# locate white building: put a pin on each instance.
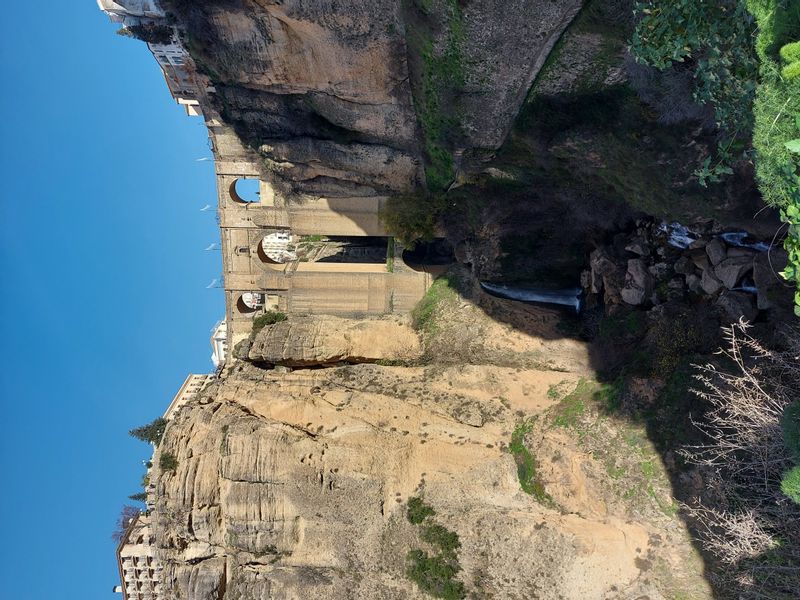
(120, 10)
(139, 569)
(219, 343)
(183, 80)
(192, 385)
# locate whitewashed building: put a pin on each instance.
(139, 568)
(219, 344)
(185, 83)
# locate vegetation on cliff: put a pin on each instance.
(776, 137)
(434, 570)
(441, 78)
(714, 40)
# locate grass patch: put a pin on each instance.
(442, 290)
(529, 479)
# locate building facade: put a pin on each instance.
(191, 387)
(319, 255)
(185, 83)
(139, 569)
(219, 344)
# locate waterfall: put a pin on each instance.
(569, 297)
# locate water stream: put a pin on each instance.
(569, 297)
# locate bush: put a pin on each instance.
(418, 511)
(140, 497)
(150, 433)
(716, 39)
(168, 461)
(791, 71)
(268, 318)
(790, 424)
(446, 540)
(790, 484)
(790, 52)
(744, 521)
(435, 575)
(412, 217)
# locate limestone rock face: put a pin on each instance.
(321, 340)
(324, 88)
(295, 485)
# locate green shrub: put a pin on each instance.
(268, 318)
(167, 461)
(790, 52)
(790, 423)
(717, 37)
(150, 433)
(776, 111)
(440, 536)
(435, 574)
(412, 217)
(418, 511)
(790, 484)
(791, 71)
(140, 497)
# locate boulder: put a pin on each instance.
(601, 265)
(638, 283)
(731, 270)
(659, 270)
(638, 245)
(709, 283)
(736, 251)
(716, 251)
(699, 258)
(735, 305)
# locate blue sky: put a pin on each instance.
(103, 285)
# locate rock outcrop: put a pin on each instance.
(324, 340)
(295, 485)
(327, 93)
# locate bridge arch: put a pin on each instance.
(245, 190)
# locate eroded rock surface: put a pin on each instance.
(324, 340)
(295, 485)
(324, 89)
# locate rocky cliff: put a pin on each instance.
(343, 98)
(297, 485)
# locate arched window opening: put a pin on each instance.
(277, 248)
(250, 302)
(246, 191)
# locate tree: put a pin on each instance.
(150, 433)
(150, 33)
(139, 497)
(126, 515)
